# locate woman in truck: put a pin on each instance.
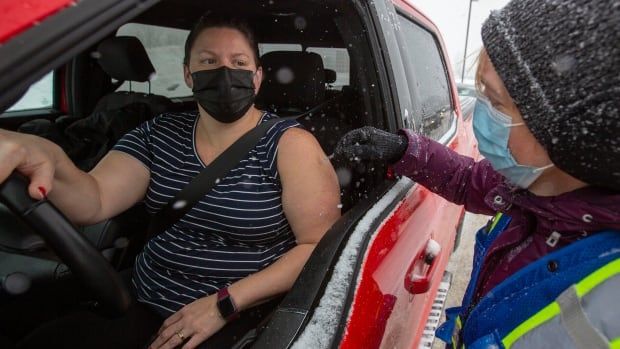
(242, 244)
(547, 121)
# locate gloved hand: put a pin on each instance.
(369, 143)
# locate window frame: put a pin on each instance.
(51, 112)
(58, 38)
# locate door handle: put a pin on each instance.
(422, 269)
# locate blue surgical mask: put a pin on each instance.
(492, 130)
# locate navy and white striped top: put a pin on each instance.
(237, 229)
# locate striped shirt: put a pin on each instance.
(236, 229)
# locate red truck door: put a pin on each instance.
(397, 286)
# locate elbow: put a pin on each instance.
(86, 219)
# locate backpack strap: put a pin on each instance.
(450, 330)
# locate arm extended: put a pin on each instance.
(455, 177)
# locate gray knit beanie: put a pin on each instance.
(560, 61)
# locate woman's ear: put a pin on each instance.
(258, 79)
(187, 75)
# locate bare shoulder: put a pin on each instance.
(310, 191)
(300, 157)
(296, 140)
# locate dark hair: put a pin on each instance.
(213, 21)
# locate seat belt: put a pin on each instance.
(198, 187)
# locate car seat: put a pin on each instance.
(124, 58)
(86, 140)
(294, 84)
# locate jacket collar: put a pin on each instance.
(587, 209)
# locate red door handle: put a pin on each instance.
(422, 269)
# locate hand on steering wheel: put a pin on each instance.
(85, 262)
(32, 156)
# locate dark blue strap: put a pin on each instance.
(489, 341)
(484, 237)
(447, 330)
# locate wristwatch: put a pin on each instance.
(226, 305)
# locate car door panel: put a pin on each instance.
(385, 314)
(296, 310)
(383, 310)
(429, 217)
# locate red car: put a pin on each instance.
(372, 279)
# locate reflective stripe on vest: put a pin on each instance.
(457, 332)
(589, 315)
(615, 344)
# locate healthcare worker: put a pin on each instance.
(547, 121)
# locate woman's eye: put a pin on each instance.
(209, 61)
(241, 63)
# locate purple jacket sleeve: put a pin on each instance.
(455, 177)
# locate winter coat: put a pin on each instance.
(535, 219)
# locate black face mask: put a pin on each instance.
(226, 94)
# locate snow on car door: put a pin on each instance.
(399, 280)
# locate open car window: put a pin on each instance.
(39, 96)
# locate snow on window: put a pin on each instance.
(324, 322)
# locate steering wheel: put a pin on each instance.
(85, 262)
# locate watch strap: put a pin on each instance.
(226, 305)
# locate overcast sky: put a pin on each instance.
(451, 18)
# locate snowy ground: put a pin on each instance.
(460, 264)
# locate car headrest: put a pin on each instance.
(330, 76)
(292, 80)
(125, 59)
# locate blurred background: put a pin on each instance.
(451, 16)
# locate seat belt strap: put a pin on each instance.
(198, 187)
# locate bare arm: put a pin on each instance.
(118, 181)
(310, 199)
(455, 177)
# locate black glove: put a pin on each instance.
(369, 143)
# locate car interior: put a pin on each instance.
(317, 66)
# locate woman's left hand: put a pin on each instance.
(190, 326)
